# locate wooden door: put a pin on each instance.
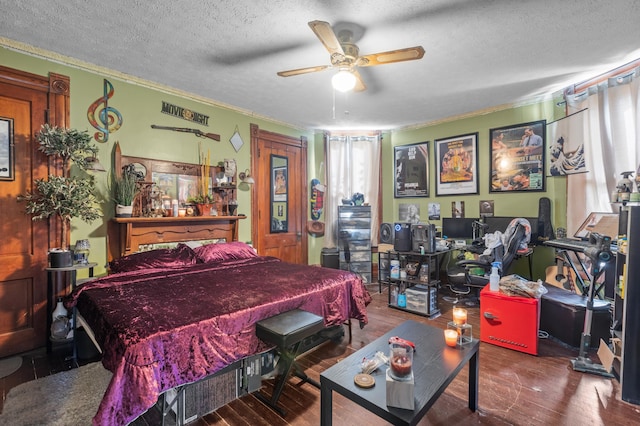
(279, 213)
(24, 99)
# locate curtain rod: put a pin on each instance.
(579, 87)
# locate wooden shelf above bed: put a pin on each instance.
(125, 235)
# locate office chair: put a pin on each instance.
(462, 281)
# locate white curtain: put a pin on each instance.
(613, 127)
(353, 165)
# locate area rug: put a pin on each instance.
(9, 366)
(68, 398)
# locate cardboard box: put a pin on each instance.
(607, 356)
(400, 394)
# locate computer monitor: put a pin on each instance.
(500, 223)
(458, 228)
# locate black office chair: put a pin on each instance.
(463, 283)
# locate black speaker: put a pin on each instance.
(386, 233)
(402, 237)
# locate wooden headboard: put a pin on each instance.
(126, 235)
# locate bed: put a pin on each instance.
(174, 316)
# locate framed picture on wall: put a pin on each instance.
(411, 178)
(517, 157)
(7, 160)
(457, 165)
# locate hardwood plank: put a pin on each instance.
(515, 388)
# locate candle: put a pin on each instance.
(459, 316)
(182, 212)
(451, 337)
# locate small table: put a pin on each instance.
(70, 286)
(435, 366)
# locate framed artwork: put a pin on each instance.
(411, 178)
(486, 208)
(279, 194)
(7, 151)
(457, 209)
(517, 157)
(409, 213)
(279, 184)
(457, 165)
(434, 211)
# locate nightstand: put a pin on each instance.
(61, 282)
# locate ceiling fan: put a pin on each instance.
(345, 56)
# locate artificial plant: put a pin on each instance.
(64, 196)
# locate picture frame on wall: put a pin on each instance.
(411, 178)
(7, 151)
(518, 157)
(457, 165)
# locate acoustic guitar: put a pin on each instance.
(560, 275)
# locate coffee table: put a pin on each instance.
(435, 366)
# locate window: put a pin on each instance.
(612, 147)
(353, 166)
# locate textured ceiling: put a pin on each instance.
(479, 54)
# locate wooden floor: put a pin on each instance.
(514, 388)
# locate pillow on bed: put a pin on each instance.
(176, 257)
(224, 251)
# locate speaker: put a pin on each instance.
(386, 233)
(402, 237)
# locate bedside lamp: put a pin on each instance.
(246, 177)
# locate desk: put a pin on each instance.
(54, 275)
(433, 260)
(435, 366)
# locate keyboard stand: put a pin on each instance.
(568, 259)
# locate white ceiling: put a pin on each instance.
(479, 53)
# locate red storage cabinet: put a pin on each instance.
(509, 321)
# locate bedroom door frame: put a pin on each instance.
(290, 245)
(30, 100)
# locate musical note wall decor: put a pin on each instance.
(102, 116)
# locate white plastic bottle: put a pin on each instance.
(494, 278)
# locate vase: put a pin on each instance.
(204, 209)
(59, 258)
(123, 211)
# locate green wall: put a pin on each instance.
(140, 107)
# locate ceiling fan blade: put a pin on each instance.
(360, 86)
(400, 55)
(326, 35)
(306, 70)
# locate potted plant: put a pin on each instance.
(64, 196)
(204, 199)
(125, 188)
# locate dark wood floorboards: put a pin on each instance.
(514, 388)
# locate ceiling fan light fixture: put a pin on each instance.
(344, 80)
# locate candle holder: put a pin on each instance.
(460, 316)
(464, 332)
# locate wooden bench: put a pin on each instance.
(287, 331)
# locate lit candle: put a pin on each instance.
(182, 212)
(459, 316)
(451, 337)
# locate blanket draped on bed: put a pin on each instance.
(162, 328)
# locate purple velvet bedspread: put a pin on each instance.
(162, 328)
